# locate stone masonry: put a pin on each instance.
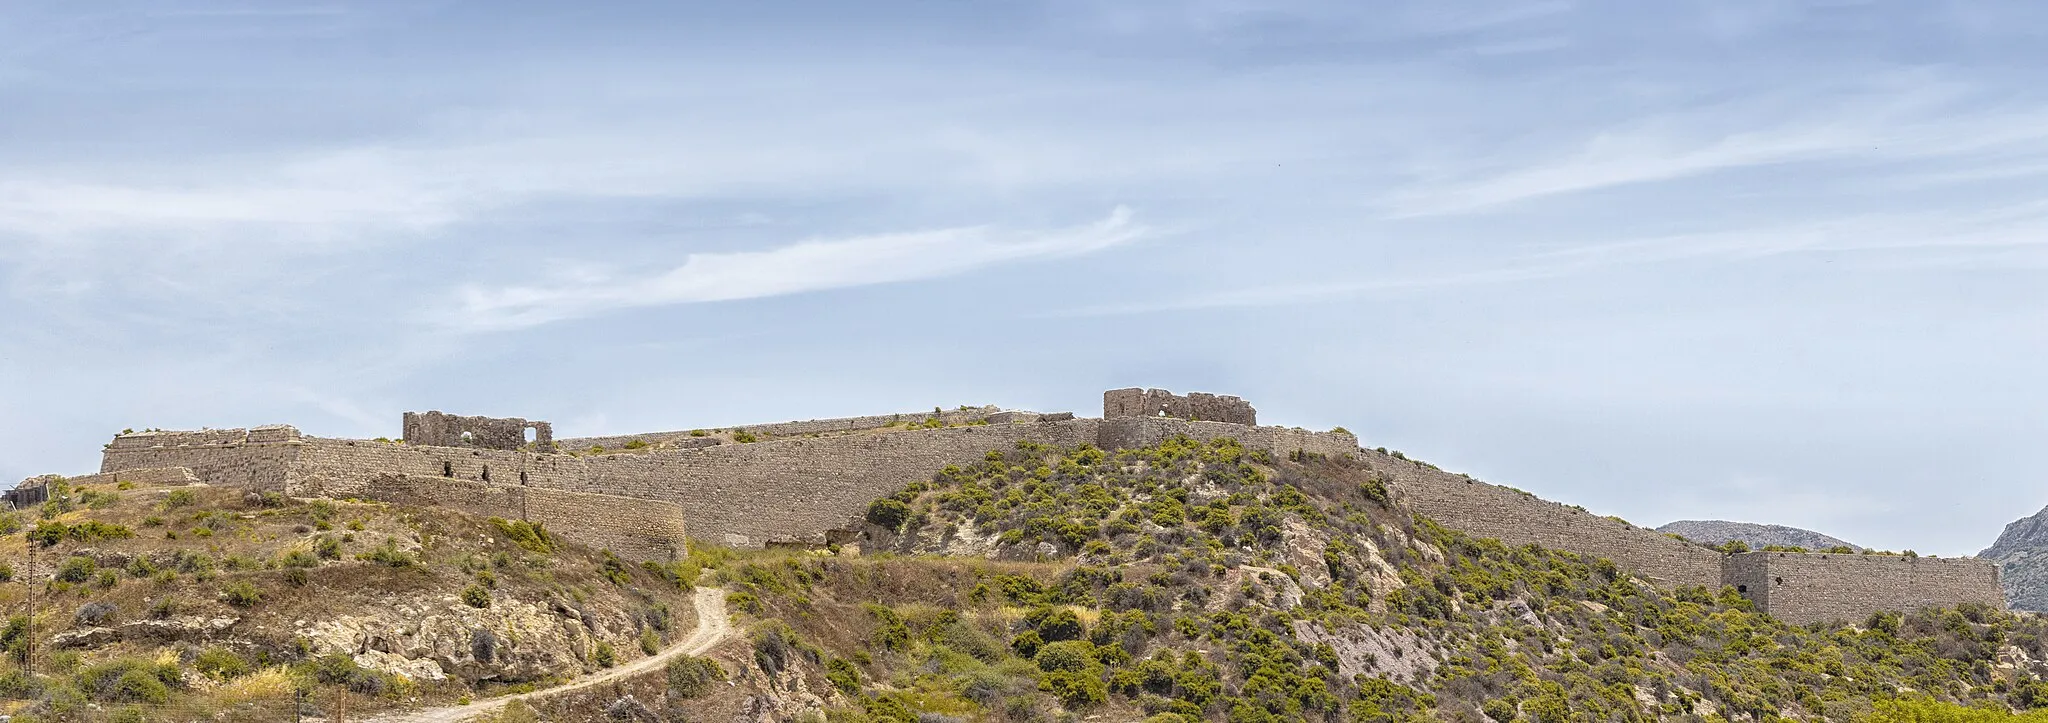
(801, 488)
(635, 529)
(449, 430)
(1795, 587)
(1196, 406)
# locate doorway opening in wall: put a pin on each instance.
(522, 478)
(447, 469)
(487, 473)
(532, 435)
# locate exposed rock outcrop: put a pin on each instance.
(2021, 552)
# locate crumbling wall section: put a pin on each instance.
(142, 477)
(449, 430)
(1196, 406)
(258, 458)
(1134, 432)
(341, 467)
(634, 529)
(965, 415)
(1801, 588)
(1518, 518)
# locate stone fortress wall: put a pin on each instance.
(806, 479)
(635, 529)
(1794, 587)
(1802, 588)
(1519, 518)
(962, 415)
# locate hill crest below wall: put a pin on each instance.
(1757, 536)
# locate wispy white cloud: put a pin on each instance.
(2011, 237)
(1904, 118)
(812, 265)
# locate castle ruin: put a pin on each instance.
(807, 482)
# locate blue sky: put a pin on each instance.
(1766, 261)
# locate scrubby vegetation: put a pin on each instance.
(1195, 581)
(204, 603)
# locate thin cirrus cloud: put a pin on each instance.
(1904, 119)
(807, 266)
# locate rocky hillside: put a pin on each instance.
(161, 603)
(1756, 536)
(1205, 582)
(2022, 555)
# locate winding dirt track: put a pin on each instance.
(712, 627)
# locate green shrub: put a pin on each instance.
(889, 513)
(220, 663)
(180, 498)
(389, 555)
(476, 596)
(690, 676)
(614, 569)
(241, 594)
(844, 675)
(1072, 656)
(530, 536)
(604, 656)
(129, 680)
(77, 569)
(744, 437)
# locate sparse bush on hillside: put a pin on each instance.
(690, 676)
(530, 536)
(389, 555)
(476, 596)
(76, 569)
(240, 594)
(180, 498)
(889, 513)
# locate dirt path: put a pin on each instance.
(712, 627)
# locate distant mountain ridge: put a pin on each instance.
(1715, 532)
(2021, 552)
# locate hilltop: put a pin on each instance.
(1756, 536)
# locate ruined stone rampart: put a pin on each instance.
(340, 467)
(635, 529)
(1196, 406)
(258, 458)
(450, 430)
(1133, 432)
(792, 429)
(145, 477)
(1802, 588)
(1795, 587)
(1519, 518)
